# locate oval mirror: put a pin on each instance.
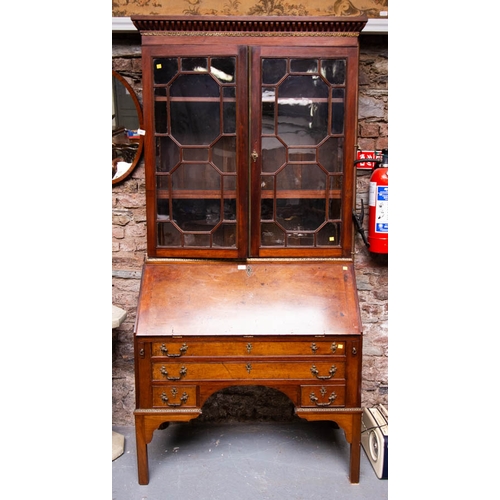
(127, 129)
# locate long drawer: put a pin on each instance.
(249, 370)
(246, 347)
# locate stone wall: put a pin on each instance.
(129, 251)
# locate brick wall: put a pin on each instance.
(129, 251)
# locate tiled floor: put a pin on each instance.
(245, 461)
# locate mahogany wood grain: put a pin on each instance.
(248, 313)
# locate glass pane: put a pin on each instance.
(304, 66)
(164, 69)
(301, 177)
(197, 240)
(334, 71)
(162, 182)
(335, 208)
(331, 154)
(267, 209)
(272, 235)
(329, 235)
(299, 238)
(229, 185)
(167, 154)
(273, 70)
(224, 154)
(302, 154)
(224, 69)
(195, 86)
(268, 111)
(300, 213)
(338, 111)
(161, 117)
(301, 121)
(303, 86)
(230, 209)
(225, 236)
(195, 122)
(168, 235)
(195, 214)
(229, 119)
(163, 211)
(194, 64)
(195, 154)
(273, 154)
(335, 182)
(196, 176)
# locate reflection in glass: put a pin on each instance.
(273, 70)
(331, 154)
(329, 234)
(338, 111)
(334, 71)
(301, 177)
(164, 69)
(229, 119)
(196, 85)
(195, 127)
(224, 69)
(194, 64)
(167, 154)
(195, 176)
(224, 154)
(272, 235)
(195, 122)
(168, 234)
(304, 66)
(297, 214)
(302, 151)
(273, 154)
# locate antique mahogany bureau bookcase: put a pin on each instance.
(250, 138)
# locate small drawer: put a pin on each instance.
(322, 396)
(174, 396)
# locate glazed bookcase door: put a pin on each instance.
(197, 180)
(303, 107)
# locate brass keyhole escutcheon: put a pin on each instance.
(248, 367)
(249, 348)
(254, 156)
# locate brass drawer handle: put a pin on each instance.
(333, 347)
(315, 372)
(182, 351)
(174, 391)
(315, 400)
(182, 373)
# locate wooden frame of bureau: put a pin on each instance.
(249, 312)
(292, 326)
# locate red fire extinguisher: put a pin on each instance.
(378, 201)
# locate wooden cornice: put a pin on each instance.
(249, 25)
